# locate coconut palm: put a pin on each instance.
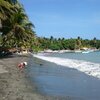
(5, 9)
(20, 29)
(15, 26)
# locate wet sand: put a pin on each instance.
(56, 80)
(15, 84)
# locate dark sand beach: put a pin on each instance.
(15, 84)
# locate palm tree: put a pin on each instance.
(78, 43)
(6, 10)
(16, 28)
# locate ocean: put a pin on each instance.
(75, 75)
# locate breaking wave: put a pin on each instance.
(89, 68)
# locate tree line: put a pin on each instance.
(16, 31)
(66, 44)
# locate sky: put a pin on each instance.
(64, 18)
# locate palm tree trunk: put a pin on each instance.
(0, 24)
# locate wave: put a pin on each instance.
(89, 68)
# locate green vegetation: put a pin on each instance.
(15, 28)
(67, 44)
(16, 31)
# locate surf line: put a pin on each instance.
(89, 68)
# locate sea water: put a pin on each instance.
(75, 75)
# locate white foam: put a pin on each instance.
(89, 68)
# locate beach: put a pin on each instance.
(13, 82)
(43, 80)
(57, 75)
(76, 64)
(16, 85)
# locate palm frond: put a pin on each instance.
(6, 9)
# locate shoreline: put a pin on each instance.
(69, 51)
(54, 79)
(88, 68)
(14, 84)
(17, 85)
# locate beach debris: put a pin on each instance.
(41, 64)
